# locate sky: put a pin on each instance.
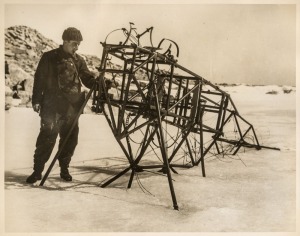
(238, 43)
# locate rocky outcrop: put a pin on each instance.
(24, 47)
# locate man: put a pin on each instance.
(57, 97)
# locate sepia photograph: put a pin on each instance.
(149, 117)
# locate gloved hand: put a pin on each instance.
(91, 83)
(36, 107)
(108, 83)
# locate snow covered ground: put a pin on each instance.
(254, 192)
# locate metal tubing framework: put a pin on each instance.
(175, 111)
(162, 115)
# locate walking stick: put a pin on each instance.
(67, 137)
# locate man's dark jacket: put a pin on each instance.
(46, 91)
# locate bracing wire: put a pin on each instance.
(141, 185)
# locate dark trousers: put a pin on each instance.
(51, 127)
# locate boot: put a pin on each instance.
(65, 175)
(34, 177)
